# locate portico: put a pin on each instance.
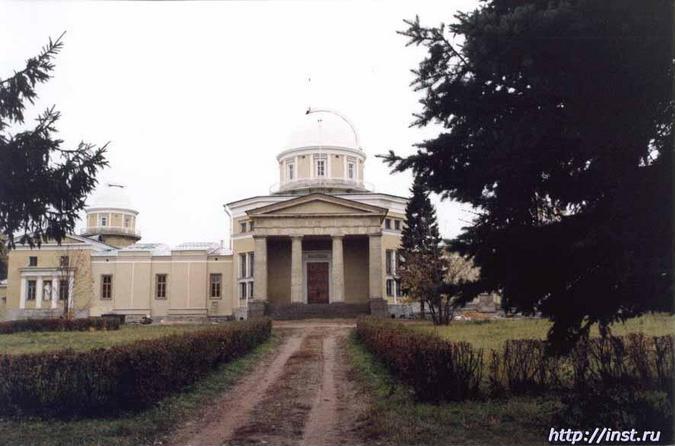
(307, 236)
(44, 287)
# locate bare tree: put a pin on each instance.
(74, 265)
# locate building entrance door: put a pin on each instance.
(317, 282)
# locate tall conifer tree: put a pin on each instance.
(558, 118)
(43, 186)
(422, 267)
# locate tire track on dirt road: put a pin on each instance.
(235, 407)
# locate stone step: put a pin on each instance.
(320, 311)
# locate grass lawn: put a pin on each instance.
(32, 342)
(491, 334)
(150, 427)
(395, 418)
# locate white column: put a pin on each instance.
(375, 266)
(70, 292)
(56, 283)
(24, 293)
(296, 269)
(338, 273)
(38, 293)
(260, 269)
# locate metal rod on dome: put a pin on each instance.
(344, 118)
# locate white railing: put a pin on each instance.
(110, 230)
(309, 183)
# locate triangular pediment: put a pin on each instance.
(319, 205)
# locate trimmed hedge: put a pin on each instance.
(436, 369)
(108, 382)
(84, 324)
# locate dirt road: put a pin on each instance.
(299, 394)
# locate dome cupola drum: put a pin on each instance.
(322, 154)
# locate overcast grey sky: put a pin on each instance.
(197, 98)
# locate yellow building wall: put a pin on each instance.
(337, 169)
(221, 265)
(304, 166)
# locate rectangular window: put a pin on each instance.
(250, 264)
(391, 287)
(106, 286)
(160, 286)
(389, 255)
(242, 290)
(64, 261)
(32, 261)
(243, 226)
(387, 223)
(291, 171)
(32, 289)
(250, 226)
(397, 225)
(215, 281)
(350, 171)
(104, 220)
(127, 221)
(63, 289)
(320, 168)
(242, 266)
(250, 290)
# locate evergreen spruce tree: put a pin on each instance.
(43, 186)
(557, 123)
(422, 265)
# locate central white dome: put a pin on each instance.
(323, 128)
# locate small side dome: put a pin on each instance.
(111, 216)
(323, 128)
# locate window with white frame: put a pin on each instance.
(320, 165)
(351, 168)
(104, 220)
(246, 262)
(32, 290)
(391, 288)
(390, 258)
(290, 170)
(391, 266)
(160, 286)
(63, 289)
(215, 285)
(106, 286)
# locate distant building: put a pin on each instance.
(321, 242)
